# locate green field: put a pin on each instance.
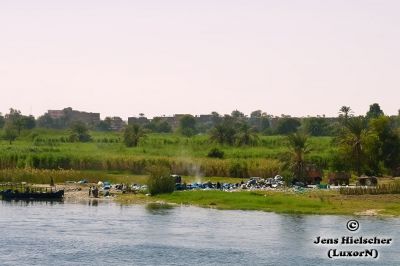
(49, 149)
(164, 145)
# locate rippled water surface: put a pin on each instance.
(110, 234)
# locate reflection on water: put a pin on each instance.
(93, 202)
(25, 203)
(158, 208)
(104, 233)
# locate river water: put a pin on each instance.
(43, 233)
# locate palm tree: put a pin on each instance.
(353, 138)
(246, 135)
(298, 147)
(223, 133)
(217, 134)
(345, 112)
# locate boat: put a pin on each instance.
(22, 192)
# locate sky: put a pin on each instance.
(157, 57)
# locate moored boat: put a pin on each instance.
(27, 193)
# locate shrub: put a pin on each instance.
(238, 169)
(215, 153)
(160, 180)
(79, 132)
(132, 135)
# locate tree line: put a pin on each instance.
(188, 125)
(367, 144)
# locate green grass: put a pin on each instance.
(47, 149)
(165, 145)
(276, 202)
(315, 202)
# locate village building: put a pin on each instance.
(142, 120)
(116, 123)
(73, 115)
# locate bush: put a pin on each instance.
(79, 132)
(239, 169)
(160, 180)
(215, 153)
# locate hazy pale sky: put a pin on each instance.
(124, 57)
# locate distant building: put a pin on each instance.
(138, 120)
(56, 114)
(203, 119)
(116, 123)
(169, 119)
(71, 115)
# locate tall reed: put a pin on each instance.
(393, 188)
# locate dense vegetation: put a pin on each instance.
(232, 146)
(50, 149)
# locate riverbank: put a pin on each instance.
(311, 202)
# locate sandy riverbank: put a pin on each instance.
(80, 193)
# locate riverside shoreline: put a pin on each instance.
(313, 201)
(310, 202)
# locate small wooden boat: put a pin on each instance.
(21, 192)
